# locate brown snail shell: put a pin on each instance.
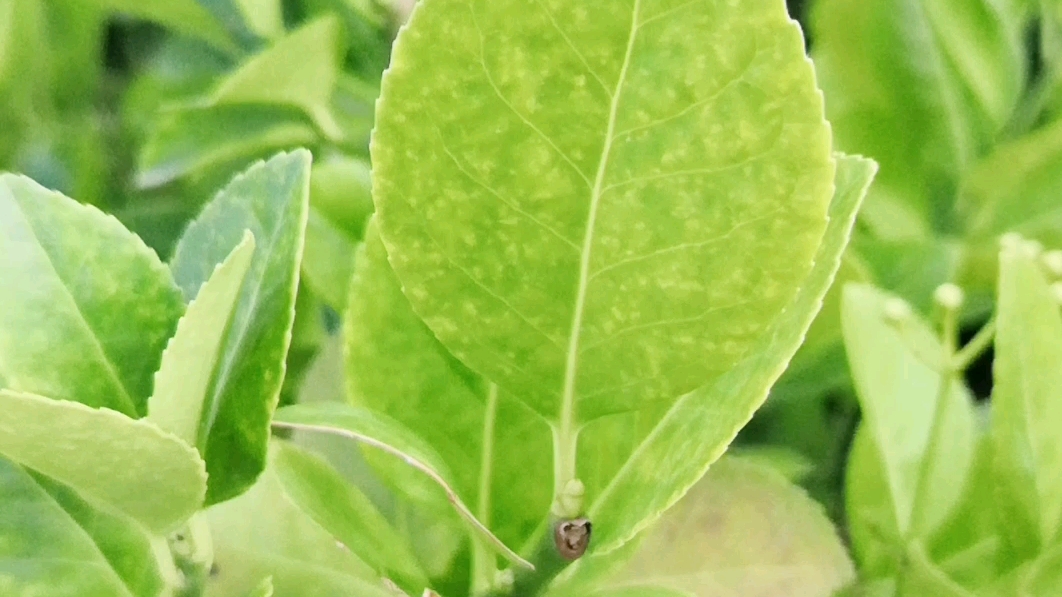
(572, 537)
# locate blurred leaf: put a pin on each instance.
(741, 530)
(264, 588)
(1016, 188)
(182, 403)
(899, 394)
(1026, 410)
(396, 366)
(299, 70)
(185, 16)
(697, 429)
(89, 450)
(923, 88)
(347, 515)
(608, 310)
(190, 139)
(73, 561)
(922, 578)
(85, 307)
(264, 17)
(263, 533)
(784, 461)
(270, 200)
(383, 433)
(911, 268)
(328, 260)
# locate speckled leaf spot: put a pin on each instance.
(596, 205)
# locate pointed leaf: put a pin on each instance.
(742, 530)
(347, 514)
(105, 456)
(85, 307)
(263, 533)
(698, 428)
(923, 577)
(898, 394)
(188, 17)
(607, 190)
(68, 563)
(1026, 410)
(383, 433)
(270, 200)
(182, 385)
(397, 367)
(299, 70)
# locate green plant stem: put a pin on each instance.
(484, 562)
(949, 341)
(975, 347)
(565, 445)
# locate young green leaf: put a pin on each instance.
(742, 530)
(700, 425)
(69, 562)
(193, 139)
(396, 366)
(264, 533)
(383, 433)
(1026, 410)
(181, 401)
(922, 87)
(341, 509)
(1013, 189)
(581, 200)
(108, 458)
(299, 70)
(270, 200)
(923, 577)
(899, 396)
(185, 16)
(85, 307)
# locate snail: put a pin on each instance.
(572, 537)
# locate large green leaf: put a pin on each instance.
(298, 70)
(898, 394)
(383, 433)
(182, 399)
(264, 533)
(348, 515)
(85, 307)
(396, 366)
(581, 200)
(269, 199)
(1016, 187)
(920, 86)
(742, 530)
(71, 561)
(1026, 410)
(700, 425)
(107, 457)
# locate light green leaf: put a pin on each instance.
(264, 17)
(183, 16)
(85, 307)
(581, 200)
(1026, 410)
(264, 588)
(921, 577)
(381, 432)
(190, 140)
(921, 87)
(298, 70)
(698, 428)
(347, 514)
(182, 398)
(270, 200)
(108, 458)
(68, 564)
(140, 560)
(742, 530)
(898, 394)
(328, 260)
(263, 533)
(396, 366)
(1015, 187)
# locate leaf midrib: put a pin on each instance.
(567, 407)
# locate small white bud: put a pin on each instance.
(1052, 260)
(948, 296)
(1010, 240)
(503, 580)
(1032, 248)
(897, 310)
